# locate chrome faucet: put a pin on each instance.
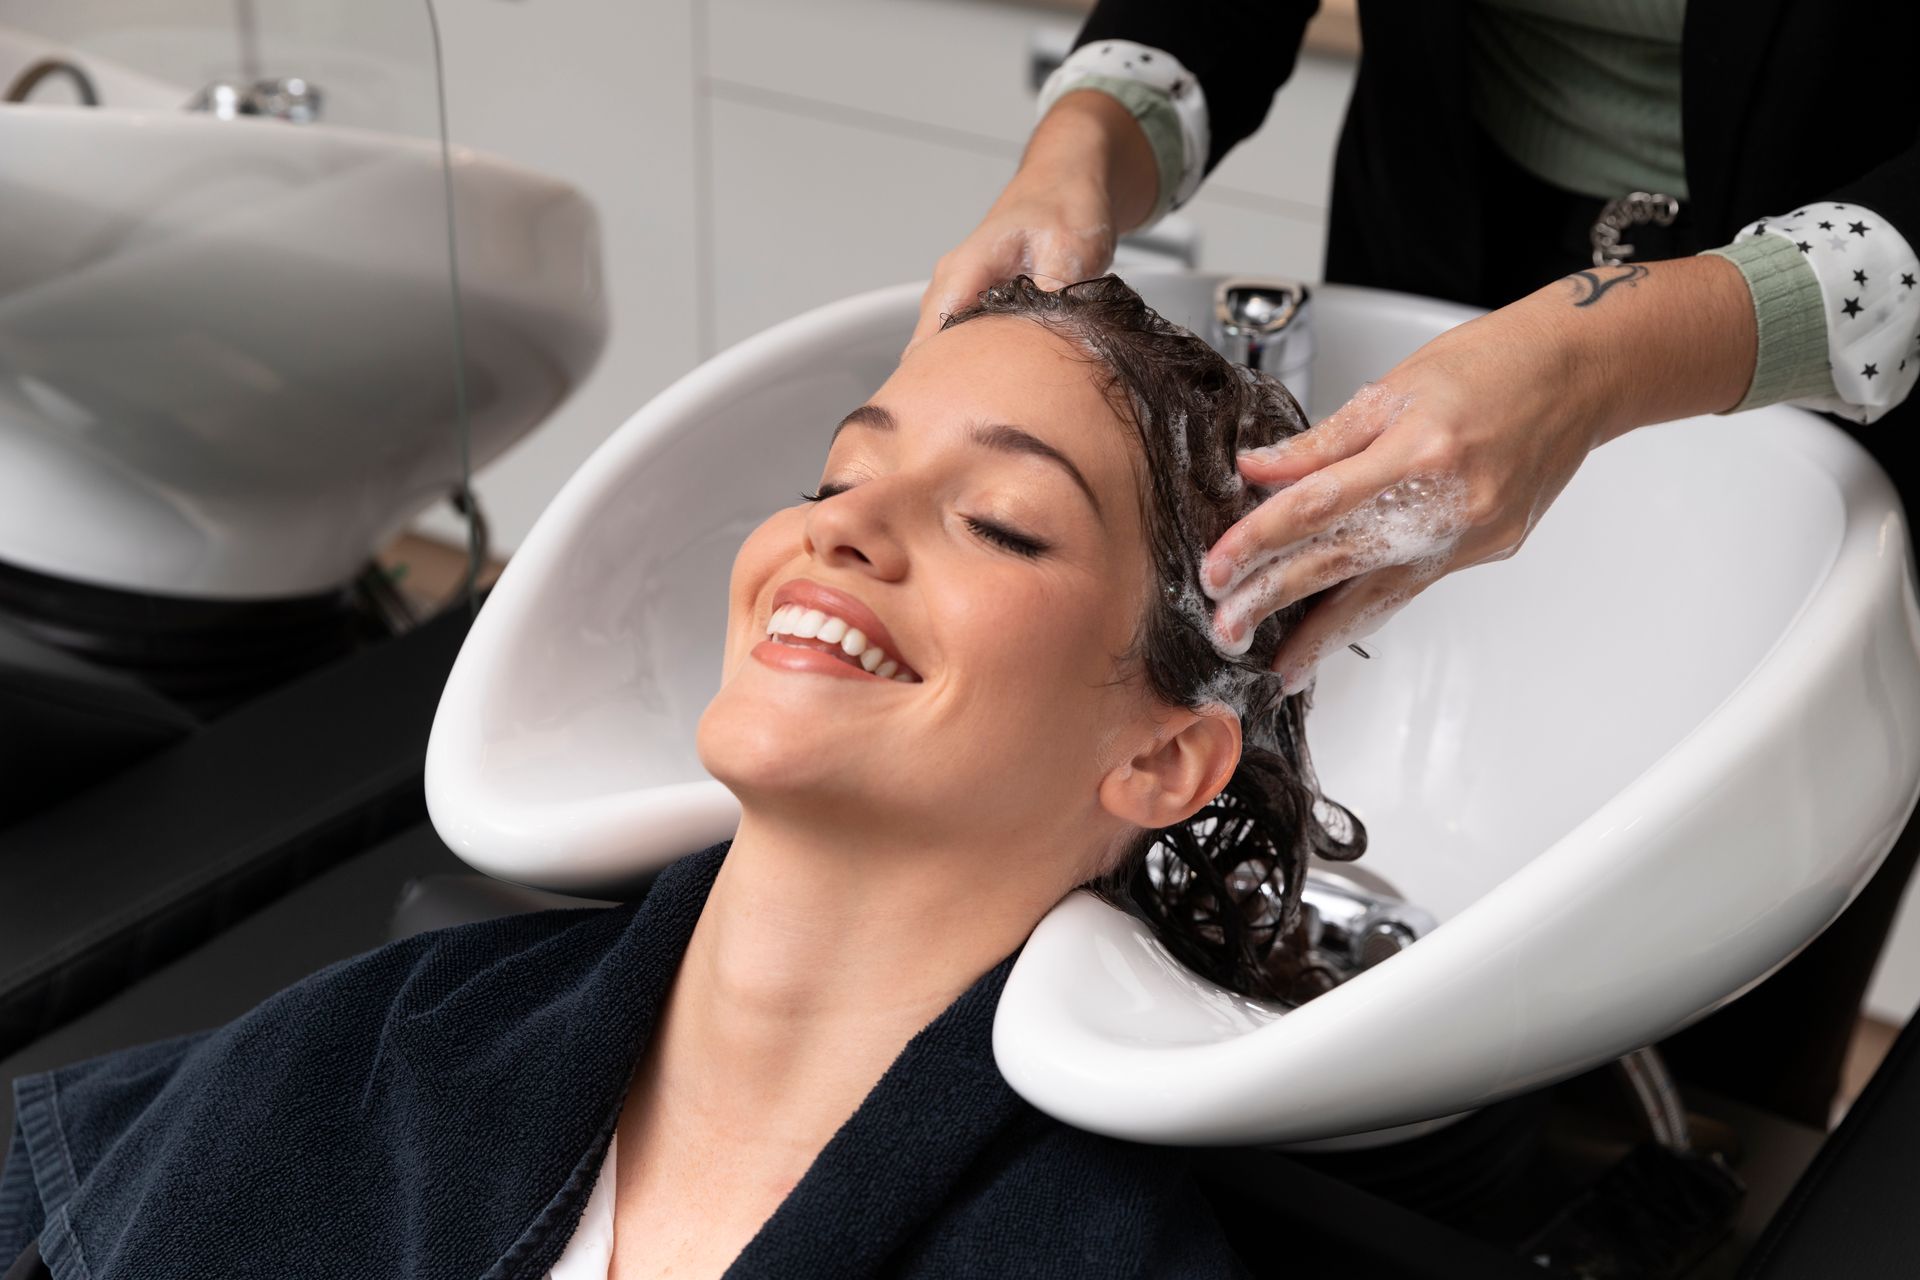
(291, 98)
(29, 79)
(1263, 323)
(1356, 919)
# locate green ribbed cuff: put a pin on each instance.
(1159, 121)
(1791, 316)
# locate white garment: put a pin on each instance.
(589, 1254)
(1158, 70)
(1870, 281)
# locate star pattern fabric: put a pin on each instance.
(1114, 66)
(1870, 292)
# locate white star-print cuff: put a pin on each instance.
(1869, 283)
(1160, 93)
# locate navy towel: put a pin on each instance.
(439, 1107)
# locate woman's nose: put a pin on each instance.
(858, 528)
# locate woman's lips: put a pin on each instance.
(791, 653)
(807, 615)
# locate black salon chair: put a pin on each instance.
(103, 888)
(66, 724)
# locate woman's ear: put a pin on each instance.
(1189, 761)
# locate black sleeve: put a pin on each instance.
(28, 1266)
(1891, 190)
(1241, 51)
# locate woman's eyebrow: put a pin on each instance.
(867, 415)
(1001, 436)
(1008, 438)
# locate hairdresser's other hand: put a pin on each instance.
(1452, 458)
(1087, 175)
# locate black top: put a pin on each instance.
(441, 1106)
(1782, 102)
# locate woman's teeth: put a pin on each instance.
(815, 624)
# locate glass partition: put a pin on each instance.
(229, 337)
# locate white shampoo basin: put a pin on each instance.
(1631, 770)
(226, 351)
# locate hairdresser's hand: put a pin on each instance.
(1087, 175)
(1452, 457)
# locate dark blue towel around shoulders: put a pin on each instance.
(440, 1107)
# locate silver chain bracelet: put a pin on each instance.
(1634, 209)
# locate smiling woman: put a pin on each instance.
(1055, 610)
(971, 672)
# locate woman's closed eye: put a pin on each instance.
(1012, 540)
(1018, 543)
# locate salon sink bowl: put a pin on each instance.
(1630, 770)
(226, 347)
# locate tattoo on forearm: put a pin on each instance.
(1589, 286)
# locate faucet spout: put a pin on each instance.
(29, 79)
(1263, 323)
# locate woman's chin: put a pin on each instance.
(770, 746)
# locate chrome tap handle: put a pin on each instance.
(1264, 324)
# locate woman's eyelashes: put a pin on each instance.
(999, 535)
(1018, 543)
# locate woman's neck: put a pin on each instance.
(817, 957)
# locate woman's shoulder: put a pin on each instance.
(330, 1023)
(1049, 1199)
(417, 973)
(349, 1061)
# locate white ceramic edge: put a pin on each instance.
(568, 847)
(1403, 1042)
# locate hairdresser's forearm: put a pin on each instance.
(1651, 343)
(1089, 141)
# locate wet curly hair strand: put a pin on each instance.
(1222, 890)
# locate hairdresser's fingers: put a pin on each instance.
(1000, 249)
(1312, 567)
(1056, 259)
(957, 280)
(1349, 612)
(1343, 433)
(1313, 504)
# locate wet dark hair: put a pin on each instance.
(1221, 890)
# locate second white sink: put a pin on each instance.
(226, 352)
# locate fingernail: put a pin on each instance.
(1295, 679)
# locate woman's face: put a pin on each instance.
(981, 528)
